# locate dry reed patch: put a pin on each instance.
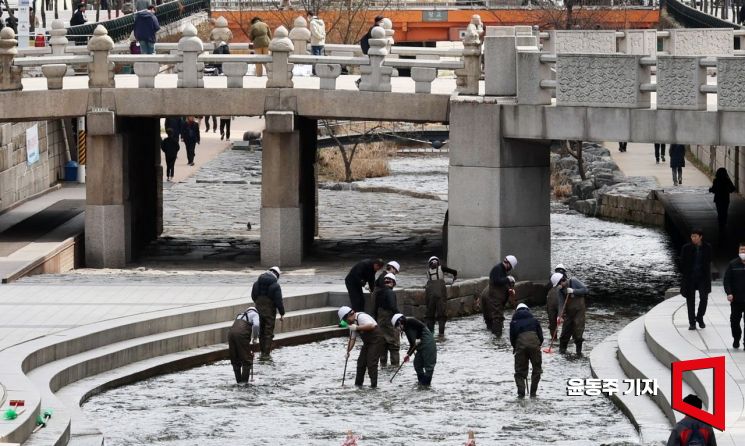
(370, 161)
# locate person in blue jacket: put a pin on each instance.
(526, 337)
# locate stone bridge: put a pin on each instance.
(536, 87)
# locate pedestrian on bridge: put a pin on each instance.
(317, 34)
(361, 273)
(241, 336)
(260, 35)
(267, 295)
(436, 295)
(497, 293)
(362, 325)
(677, 162)
(170, 148)
(721, 188)
(78, 18)
(734, 286)
(145, 27)
(422, 343)
(695, 265)
(385, 307)
(526, 337)
(190, 135)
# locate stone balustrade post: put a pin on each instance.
(530, 73)
(387, 25)
(191, 46)
(235, 71)
(423, 78)
(221, 32)
(10, 75)
(500, 72)
(468, 77)
(100, 71)
(55, 73)
(328, 73)
(300, 36)
(146, 72)
(58, 40)
(280, 69)
(376, 77)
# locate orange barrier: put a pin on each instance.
(440, 25)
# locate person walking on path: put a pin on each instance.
(677, 162)
(243, 333)
(721, 188)
(659, 150)
(734, 286)
(572, 308)
(317, 34)
(361, 273)
(176, 124)
(267, 295)
(695, 265)
(422, 343)
(496, 294)
(385, 307)
(622, 146)
(435, 293)
(190, 135)
(362, 325)
(78, 18)
(526, 338)
(690, 431)
(170, 148)
(145, 27)
(225, 127)
(207, 123)
(260, 35)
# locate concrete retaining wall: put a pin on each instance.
(644, 210)
(730, 157)
(18, 180)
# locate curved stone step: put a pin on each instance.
(668, 338)
(638, 362)
(52, 376)
(651, 424)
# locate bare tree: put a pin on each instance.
(574, 148)
(570, 14)
(347, 153)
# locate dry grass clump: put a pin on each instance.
(370, 161)
(560, 186)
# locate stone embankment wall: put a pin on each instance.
(731, 158)
(463, 297)
(606, 192)
(18, 179)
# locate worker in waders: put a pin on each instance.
(392, 267)
(436, 294)
(552, 303)
(497, 293)
(242, 334)
(362, 325)
(526, 337)
(361, 273)
(572, 309)
(421, 342)
(267, 295)
(385, 307)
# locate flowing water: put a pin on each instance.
(297, 399)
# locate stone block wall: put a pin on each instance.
(18, 180)
(634, 209)
(730, 157)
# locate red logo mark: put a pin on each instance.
(716, 418)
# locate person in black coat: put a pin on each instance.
(695, 266)
(362, 273)
(721, 189)
(191, 137)
(170, 148)
(734, 286)
(267, 295)
(79, 17)
(365, 41)
(526, 337)
(677, 162)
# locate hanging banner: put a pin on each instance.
(24, 25)
(32, 144)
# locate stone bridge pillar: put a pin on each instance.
(288, 181)
(498, 195)
(123, 187)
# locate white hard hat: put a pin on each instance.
(512, 260)
(560, 266)
(343, 312)
(522, 306)
(275, 270)
(511, 279)
(433, 258)
(391, 276)
(395, 265)
(252, 309)
(556, 278)
(395, 318)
